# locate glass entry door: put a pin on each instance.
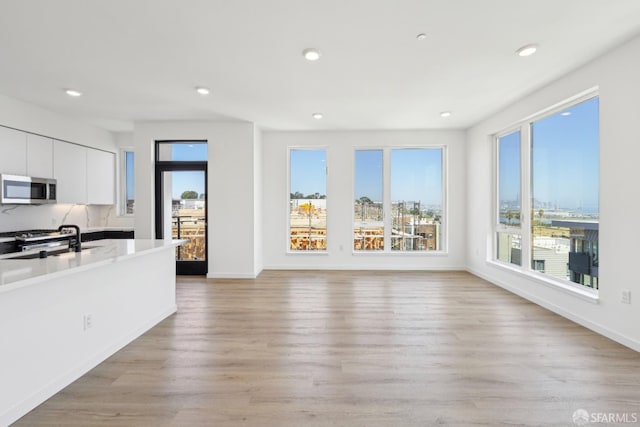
(188, 218)
(181, 211)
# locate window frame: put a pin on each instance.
(158, 152)
(526, 268)
(499, 227)
(506, 228)
(122, 176)
(387, 202)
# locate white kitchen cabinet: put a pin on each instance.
(39, 156)
(70, 170)
(101, 177)
(13, 151)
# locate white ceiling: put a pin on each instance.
(141, 59)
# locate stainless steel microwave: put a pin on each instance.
(26, 190)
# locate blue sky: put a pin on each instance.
(564, 159)
(130, 176)
(185, 152)
(308, 171)
(369, 174)
(509, 175)
(416, 174)
(187, 180)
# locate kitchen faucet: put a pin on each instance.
(77, 246)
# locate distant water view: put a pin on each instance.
(508, 216)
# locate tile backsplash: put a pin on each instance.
(25, 217)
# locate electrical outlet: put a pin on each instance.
(625, 296)
(88, 321)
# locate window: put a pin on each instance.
(538, 265)
(416, 199)
(414, 207)
(181, 151)
(564, 191)
(561, 196)
(307, 200)
(509, 212)
(128, 190)
(368, 225)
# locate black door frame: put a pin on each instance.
(182, 267)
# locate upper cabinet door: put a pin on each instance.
(70, 170)
(39, 156)
(13, 151)
(101, 177)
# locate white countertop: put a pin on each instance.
(16, 273)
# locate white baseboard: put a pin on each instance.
(231, 276)
(596, 327)
(19, 410)
(384, 267)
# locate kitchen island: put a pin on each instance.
(62, 315)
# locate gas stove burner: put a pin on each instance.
(25, 232)
(39, 235)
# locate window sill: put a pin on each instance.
(402, 253)
(586, 294)
(307, 253)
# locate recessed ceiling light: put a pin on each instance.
(421, 36)
(311, 54)
(317, 116)
(202, 90)
(445, 114)
(73, 92)
(527, 50)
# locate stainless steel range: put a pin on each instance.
(65, 238)
(52, 239)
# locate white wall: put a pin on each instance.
(616, 74)
(31, 118)
(258, 205)
(231, 183)
(124, 140)
(340, 148)
(29, 217)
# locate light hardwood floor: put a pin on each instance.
(312, 348)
